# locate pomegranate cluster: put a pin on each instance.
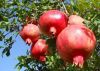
(74, 41)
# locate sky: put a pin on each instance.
(8, 63)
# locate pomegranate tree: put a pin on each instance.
(75, 19)
(31, 20)
(52, 22)
(30, 33)
(75, 44)
(39, 50)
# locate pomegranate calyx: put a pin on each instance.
(53, 30)
(78, 61)
(28, 41)
(42, 58)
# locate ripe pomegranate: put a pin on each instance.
(75, 19)
(75, 44)
(53, 22)
(39, 50)
(30, 33)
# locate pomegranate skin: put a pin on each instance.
(75, 44)
(30, 33)
(75, 19)
(39, 50)
(52, 22)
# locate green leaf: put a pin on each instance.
(6, 51)
(1, 47)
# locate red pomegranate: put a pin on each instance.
(53, 22)
(39, 50)
(75, 19)
(75, 44)
(30, 33)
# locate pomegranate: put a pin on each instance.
(75, 19)
(75, 44)
(53, 22)
(39, 50)
(30, 33)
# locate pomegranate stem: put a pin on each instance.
(65, 8)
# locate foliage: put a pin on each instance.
(12, 16)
